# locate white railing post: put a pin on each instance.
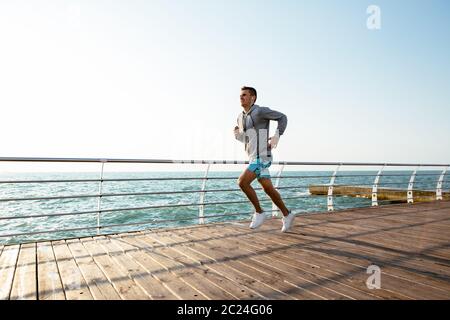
(375, 187)
(201, 209)
(275, 210)
(99, 201)
(410, 196)
(439, 184)
(330, 189)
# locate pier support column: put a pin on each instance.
(201, 209)
(330, 189)
(375, 187)
(99, 201)
(439, 184)
(410, 198)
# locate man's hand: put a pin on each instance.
(236, 131)
(273, 141)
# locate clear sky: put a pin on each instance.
(161, 79)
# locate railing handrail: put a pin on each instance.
(169, 161)
(203, 191)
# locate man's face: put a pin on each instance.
(247, 99)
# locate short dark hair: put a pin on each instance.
(252, 91)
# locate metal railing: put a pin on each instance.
(365, 180)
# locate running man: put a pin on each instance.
(253, 131)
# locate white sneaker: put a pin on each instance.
(287, 222)
(257, 220)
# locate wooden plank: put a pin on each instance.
(235, 258)
(49, 282)
(393, 243)
(396, 241)
(395, 265)
(443, 251)
(437, 222)
(369, 241)
(299, 258)
(432, 229)
(401, 263)
(75, 286)
(333, 234)
(391, 239)
(123, 284)
(324, 256)
(406, 214)
(24, 285)
(321, 236)
(152, 286)
(98, 283)
(315, 273)
(144, 258)
(256, 286)
(413, 289)
(230, 289)
(199, 282)
(285, 273)
(228, 283)
(252, 282)
(317, 280)
(8, 261)
(422, 232)
(412, 286)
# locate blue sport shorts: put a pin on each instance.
(260, 168)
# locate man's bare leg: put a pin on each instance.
(270, 190)
(244, 183)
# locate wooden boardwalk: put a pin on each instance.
(325, 256)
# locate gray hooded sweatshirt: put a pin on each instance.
(254, 131)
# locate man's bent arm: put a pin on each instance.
(281, 118)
